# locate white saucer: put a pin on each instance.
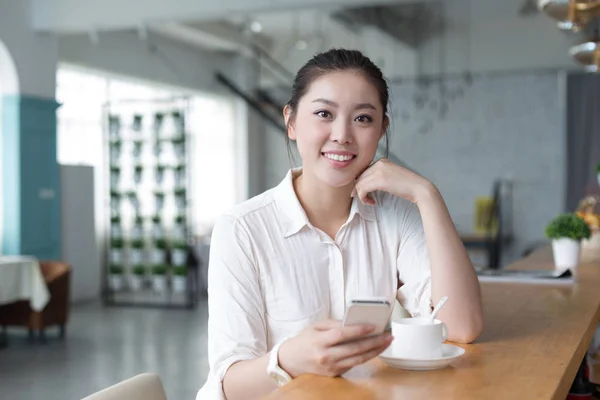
(449, 354)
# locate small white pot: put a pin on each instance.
(115, 231)
(116, 256)
(159, 283)
(137, 232)
(135, 282)
(135, 256)
(157, 256)
(179, 231)
(179, 284)
(115, 281)
(157, 231)
(180, 201)
(114, 179)
(115, 203)
(566, 253)
(179, 257)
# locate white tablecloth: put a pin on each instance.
(22, 279)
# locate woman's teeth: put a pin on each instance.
(338, 157)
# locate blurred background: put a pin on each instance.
(127, 127)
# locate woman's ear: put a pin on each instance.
(287, 116)
(384, 126)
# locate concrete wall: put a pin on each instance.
(502, 126)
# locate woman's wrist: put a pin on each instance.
(286, 359)
(426, 194)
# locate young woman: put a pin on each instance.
(284, 264)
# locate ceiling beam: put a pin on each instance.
(76, 16)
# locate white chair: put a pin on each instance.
(141, 387)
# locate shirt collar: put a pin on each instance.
(294, 216)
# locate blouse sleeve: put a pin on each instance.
(414, 270)
(236, 323)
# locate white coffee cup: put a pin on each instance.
(418, 338)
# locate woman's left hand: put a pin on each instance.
(386, 176)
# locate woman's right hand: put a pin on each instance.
(329, 349)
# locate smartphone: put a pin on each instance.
(376, 312)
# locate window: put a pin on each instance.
(211, 122)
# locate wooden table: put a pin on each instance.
(535, 337)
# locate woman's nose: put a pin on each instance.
(341, 132)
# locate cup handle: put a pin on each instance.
(444, 332)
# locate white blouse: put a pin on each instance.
(271, 273)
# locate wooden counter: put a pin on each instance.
(534, 339)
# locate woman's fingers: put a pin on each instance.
(357, 359)
(363, 188)
(360, 346)
(347, 333)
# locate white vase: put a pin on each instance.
(159, 283)
(135, 256)
(115, 281)
(179, 283)
(116, 256)
(135, 282)
(157, 231)
(179, 232)
(137, 232)
(566, 253)
(115, 231)
(598, 178)
(157, 256)
(179, 257)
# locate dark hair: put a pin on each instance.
(335, 60)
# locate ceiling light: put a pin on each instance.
(256, 27)
(301, 44)
(588, 54)
(571, 14)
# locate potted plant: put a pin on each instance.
(157, 230)
(132, 196)
(137, 123)
(179, 254)
(116, 251)
(178, 144)
(179, 279)
(137, 173)
(115, 199)
(158, 252)
(598, 173)
(137, 148)
(179, 227)
(180, 197)
(179, 174)
(115, 278)
(137, 247)
(158, 148)
(159, 277)
(159, 198)
(158, 122)
(159, 173)
(177, 119)
(566, 232)
(114, 126)
(115, 226)
(115, 149)
(137, 277)
(115, 175)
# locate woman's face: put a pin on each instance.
(337, 126)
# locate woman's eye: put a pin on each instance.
(363, 119)
(323, 114)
